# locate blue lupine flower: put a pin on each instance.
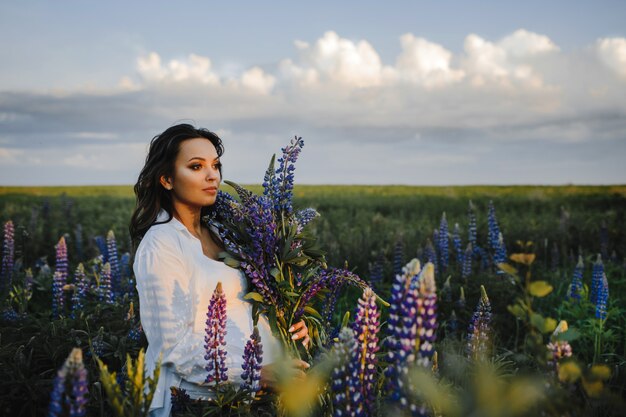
(604, 240)
(363, 364)
(104, 290)
(500, 253)
(471, 228)
(467, 262)
(429, 254)
(135, 333)
(494, 229)
(252, 359)
(603, 298)
(453, 323)
(480, 328)
(456, 242)
(280, 185)
(180, 399)
(330, 303)
(113, 259)
(102, 247)
(78, 240)
(81, 284)
(74, 374)
(376, 273)
(215, 341)
(8, 256)
(59, 279)
(576, 286)
(398, 257)
(304, 217)
(9, 315)
(443, 243)
(343, 352)
(596, 279)
(401, 326)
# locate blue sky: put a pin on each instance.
(415, 92)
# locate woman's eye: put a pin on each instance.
(195, 167)
(217, 166)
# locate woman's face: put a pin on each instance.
(196, 174)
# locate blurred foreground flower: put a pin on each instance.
(69, 392)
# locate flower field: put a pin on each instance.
(503, 301)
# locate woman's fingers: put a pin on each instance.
(306, 341)
(301, 332)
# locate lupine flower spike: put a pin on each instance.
(363, 366)
(458, 245)
(8, 255)
(252, 359)
(576, 286)
(443, 243)
(215, 341)
(558, 349)
(60, 278)
(70, 388)
(480, 328)
(343, 350)
(104, 290)
(427, 316)
(603, 298)
(81, 285)
(596, 280)
(113, 259)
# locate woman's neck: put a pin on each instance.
(189, 217)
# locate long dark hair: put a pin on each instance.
(151, 196)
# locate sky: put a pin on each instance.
(406, 92)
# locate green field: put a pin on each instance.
(362, 226)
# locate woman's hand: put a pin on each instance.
(300, 331)
(276, 372)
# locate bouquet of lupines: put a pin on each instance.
(268, 241)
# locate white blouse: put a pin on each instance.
(175, 282)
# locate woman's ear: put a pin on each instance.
(166, 182)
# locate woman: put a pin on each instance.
(177, 270)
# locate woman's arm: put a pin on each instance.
(166, 305)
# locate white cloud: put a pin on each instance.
(257, 80)
(523, 43)
(195, 68)
(612, 53)
(426, 63)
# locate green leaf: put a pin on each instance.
(540, 288)
(313, 312)
(254, 296)
(346, 319)
(537, 321)
(568, 335)
(549, 325)
(233, 263)
(509, 269)
(517, 310)
(292, 294)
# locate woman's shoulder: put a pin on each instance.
(159, 237)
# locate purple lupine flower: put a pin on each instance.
(215, 341)
(104, 289)
(282, 188)
(443, 243)
(480, 328)
(576, 286)
(113, 259)
(427, 315)
(330, 303)
(252, 360)
(343, 353)
(74, 374)
(9, 315)
(61, 259)
(466, 271)
(456, 242)
(135, 333)
(304, 217)
(81, 285)
(494, 229)
(603, 298)
(558, 349)
(260, 281)
(58, 297)
(596, 279)
(398, 257)
(180, 399)
(363, 365)
(8, 255)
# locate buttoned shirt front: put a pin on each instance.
(175, 282)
